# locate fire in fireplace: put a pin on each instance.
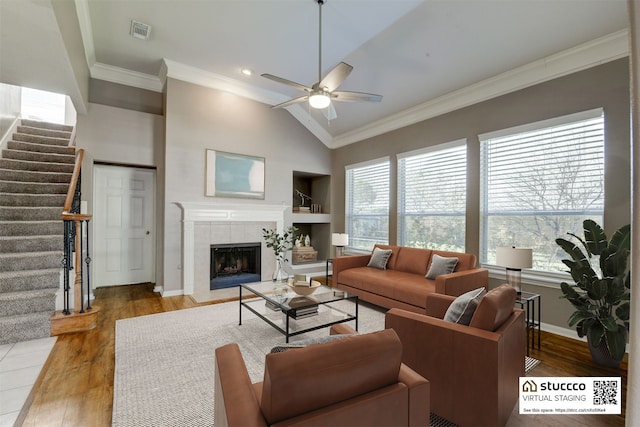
(234, 263)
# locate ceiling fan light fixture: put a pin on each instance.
(319, 100)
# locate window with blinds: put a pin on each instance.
(539, 182)
(367, 204)
(432, 197)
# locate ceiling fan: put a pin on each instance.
(321, 93)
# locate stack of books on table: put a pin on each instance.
(302, 307)
(302, 209)
(302, 312)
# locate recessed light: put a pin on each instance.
(246, 71)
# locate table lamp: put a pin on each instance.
(339, 240)
(514, 260)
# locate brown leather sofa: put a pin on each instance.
(357, 380)
(473, 370)
(403, 284)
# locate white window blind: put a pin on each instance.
(540, 182)
(367, 204)
(432, 197)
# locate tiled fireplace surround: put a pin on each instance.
(206, 224)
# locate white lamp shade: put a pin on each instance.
(510, 257)
(340, 239)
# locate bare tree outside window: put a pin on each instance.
(538, 185)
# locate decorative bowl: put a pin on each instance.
(303, 288)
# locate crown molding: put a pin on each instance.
(599, 51)
(126, 77)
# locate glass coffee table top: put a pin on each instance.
(292, 314)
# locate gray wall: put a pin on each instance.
(604, 86)
(124, 137)
(198, 119)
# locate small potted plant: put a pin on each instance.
(601, 299)
(281, 244)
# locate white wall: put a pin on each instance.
(10, 104)
(198, 119)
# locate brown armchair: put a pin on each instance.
(357, 380)
(473, 370)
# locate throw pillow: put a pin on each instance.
(379, 258)
(462, 308)
(301, 344)
(441, 265)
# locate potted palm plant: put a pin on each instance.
(280, 243)
(601, 299)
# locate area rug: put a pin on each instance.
(164, 363)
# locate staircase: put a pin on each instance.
(35, 171)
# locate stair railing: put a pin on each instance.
(76, 240)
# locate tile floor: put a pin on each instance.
(20, 365)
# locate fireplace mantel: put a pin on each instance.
(193, 212)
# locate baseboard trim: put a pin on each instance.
(177, 293)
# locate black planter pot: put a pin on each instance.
(600, 355)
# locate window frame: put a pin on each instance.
(348, 216)
(401, 193)
(537, 277)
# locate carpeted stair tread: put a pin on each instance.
(31, 228)
(32, 130)
(25, 327)
(40, 148)
(38, 157)
(46, 125)
(43, 167)
(45, 200)
(13, 281)
(18, 175)
(25, 302)
(31, 261)
(29, 213)
(21, 244)
(41, 139)
(33, 187)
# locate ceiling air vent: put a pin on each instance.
(140, 30)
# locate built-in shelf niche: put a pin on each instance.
(320, 238)
(316, 186)
(316, 224)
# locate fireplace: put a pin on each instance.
(234, 263)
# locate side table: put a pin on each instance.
(530, 303)
(326, 274)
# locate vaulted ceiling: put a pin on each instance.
(424, 57)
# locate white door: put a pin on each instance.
(124, 225)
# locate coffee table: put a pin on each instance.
(293, 314)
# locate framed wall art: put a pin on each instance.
(234, 175)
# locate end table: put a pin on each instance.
(530, 303)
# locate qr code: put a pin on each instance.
(605, 392)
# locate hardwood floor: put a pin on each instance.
(75, 387)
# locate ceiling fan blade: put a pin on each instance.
(355, 96)
(335, 77)
(291, 102)
(287, 82)
(330, 112)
